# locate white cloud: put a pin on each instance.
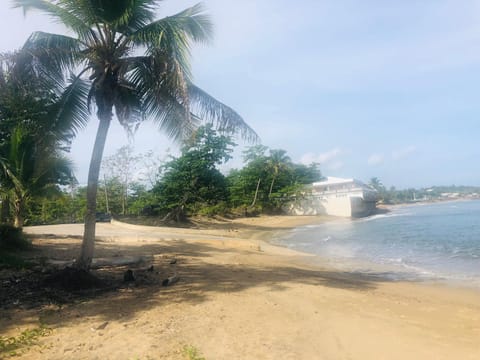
(329, 155)
(322, 158)
(375, 159)
(404, 152)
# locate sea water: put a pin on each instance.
(439, 241)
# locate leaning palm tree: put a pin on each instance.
(137, 66)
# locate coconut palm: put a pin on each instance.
(38, 118)
(137, 66)
(30, 170)
(278, 160)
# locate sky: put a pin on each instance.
(370, 88)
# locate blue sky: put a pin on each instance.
(366, 88)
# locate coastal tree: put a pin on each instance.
(266, 182)
(278, 160)
(135, 65)
(193, 177)
(38, 118)
(30, 170)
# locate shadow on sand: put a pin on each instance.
(200, 276)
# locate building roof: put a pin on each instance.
(334, 181)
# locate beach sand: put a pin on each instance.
(240, 298)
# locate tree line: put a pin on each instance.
(392, 195)
(190, 184)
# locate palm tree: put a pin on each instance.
(136, 65)
(30, 170)
(278, 160)
(376, 183)
(38, 118)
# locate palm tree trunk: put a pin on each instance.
(271, 187)
(88, 244)
(256, 193)
(18, 213)
(5, 212)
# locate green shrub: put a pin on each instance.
(192, 353)
(211, 210)
(11, 238)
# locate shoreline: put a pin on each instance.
(357, 267)
(241, 298)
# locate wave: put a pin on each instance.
(383, 216)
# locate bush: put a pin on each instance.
(11, 238)
(211, 210)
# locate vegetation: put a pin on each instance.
(434, 193)
(36, 126)
(29, 337)
(192, 353)
(267, 182)
(107, 54)
(192, 180)
(191, 184)
(11, 238)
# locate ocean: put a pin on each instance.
(439, 242)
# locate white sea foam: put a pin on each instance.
(382, 216)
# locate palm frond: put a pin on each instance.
(224, 117)
(170, 38)
(128, 107)
(163, 101)
(58, 12)
(54, 54)
(51, 171)
(191, 22)
(170, 115)
(139, 14)
(70, 112)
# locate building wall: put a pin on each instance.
(314, 205)
(344, 206)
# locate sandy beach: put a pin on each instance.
(239, 297)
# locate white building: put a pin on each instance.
(337, 197)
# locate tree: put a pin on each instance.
(29, 170)
(136, 65)
(266, 182)
(121, 167)
(278, 160)
(256, 166)
(376, 184)
(38, 118)
(193, 177)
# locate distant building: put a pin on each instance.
(337, 197)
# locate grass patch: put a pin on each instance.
(192, 353)
(29, 337)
